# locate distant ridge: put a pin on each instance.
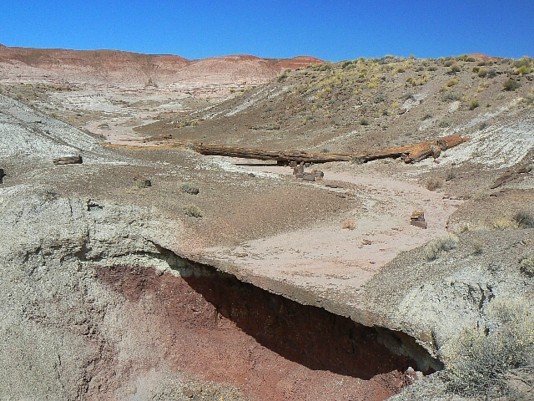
(130, 69)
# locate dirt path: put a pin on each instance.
(330, 259)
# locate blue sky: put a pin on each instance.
(330, 29)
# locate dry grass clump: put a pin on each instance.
(193, 211)
(348, 224)
(435, 247)
(477, 363)
(502, 223)
(434, 183)
(473, 104)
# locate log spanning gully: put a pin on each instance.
(409, 153)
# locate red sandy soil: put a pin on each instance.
(218, 329)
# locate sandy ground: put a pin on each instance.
(328, 258)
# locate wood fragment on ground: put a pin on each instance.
(68, 160)
(512, 175)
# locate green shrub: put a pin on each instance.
(524, 219)
(511, 85)
(282, 77)
(523, 66)
(526, 264)
(481, 356)
(450, 97)
(473, 104)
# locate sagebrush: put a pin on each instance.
(479, 360)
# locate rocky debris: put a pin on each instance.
(300, 173)
(411, 375)
(68, 160)
(418, 219)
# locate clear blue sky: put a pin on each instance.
(329, 29)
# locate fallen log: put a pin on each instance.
(282, 157)
(409, 153)
(416, 152)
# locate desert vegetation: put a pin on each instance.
(480, 360)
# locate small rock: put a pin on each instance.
(318, 174)
(308, 177)
(68, 160)
(142, 182)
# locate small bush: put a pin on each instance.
(451, 175)
(478, 247)
(473, 104)
(189, 189)
(193, 211)
(454, 69)
(524, 219)
(479, 360)
(434, 183)
(511, 85)
(450, 97)
(482, 72)
(504, 224)
(526, 265)
(283, 76)
(452, 82)
(364, 121)
(435, 247)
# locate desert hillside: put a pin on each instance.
(137, 265)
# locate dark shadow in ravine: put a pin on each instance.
(308, 335)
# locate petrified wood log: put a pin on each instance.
(511, 175)
(282, 157)
(416, 152)
(68, 160)
(409, 153)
